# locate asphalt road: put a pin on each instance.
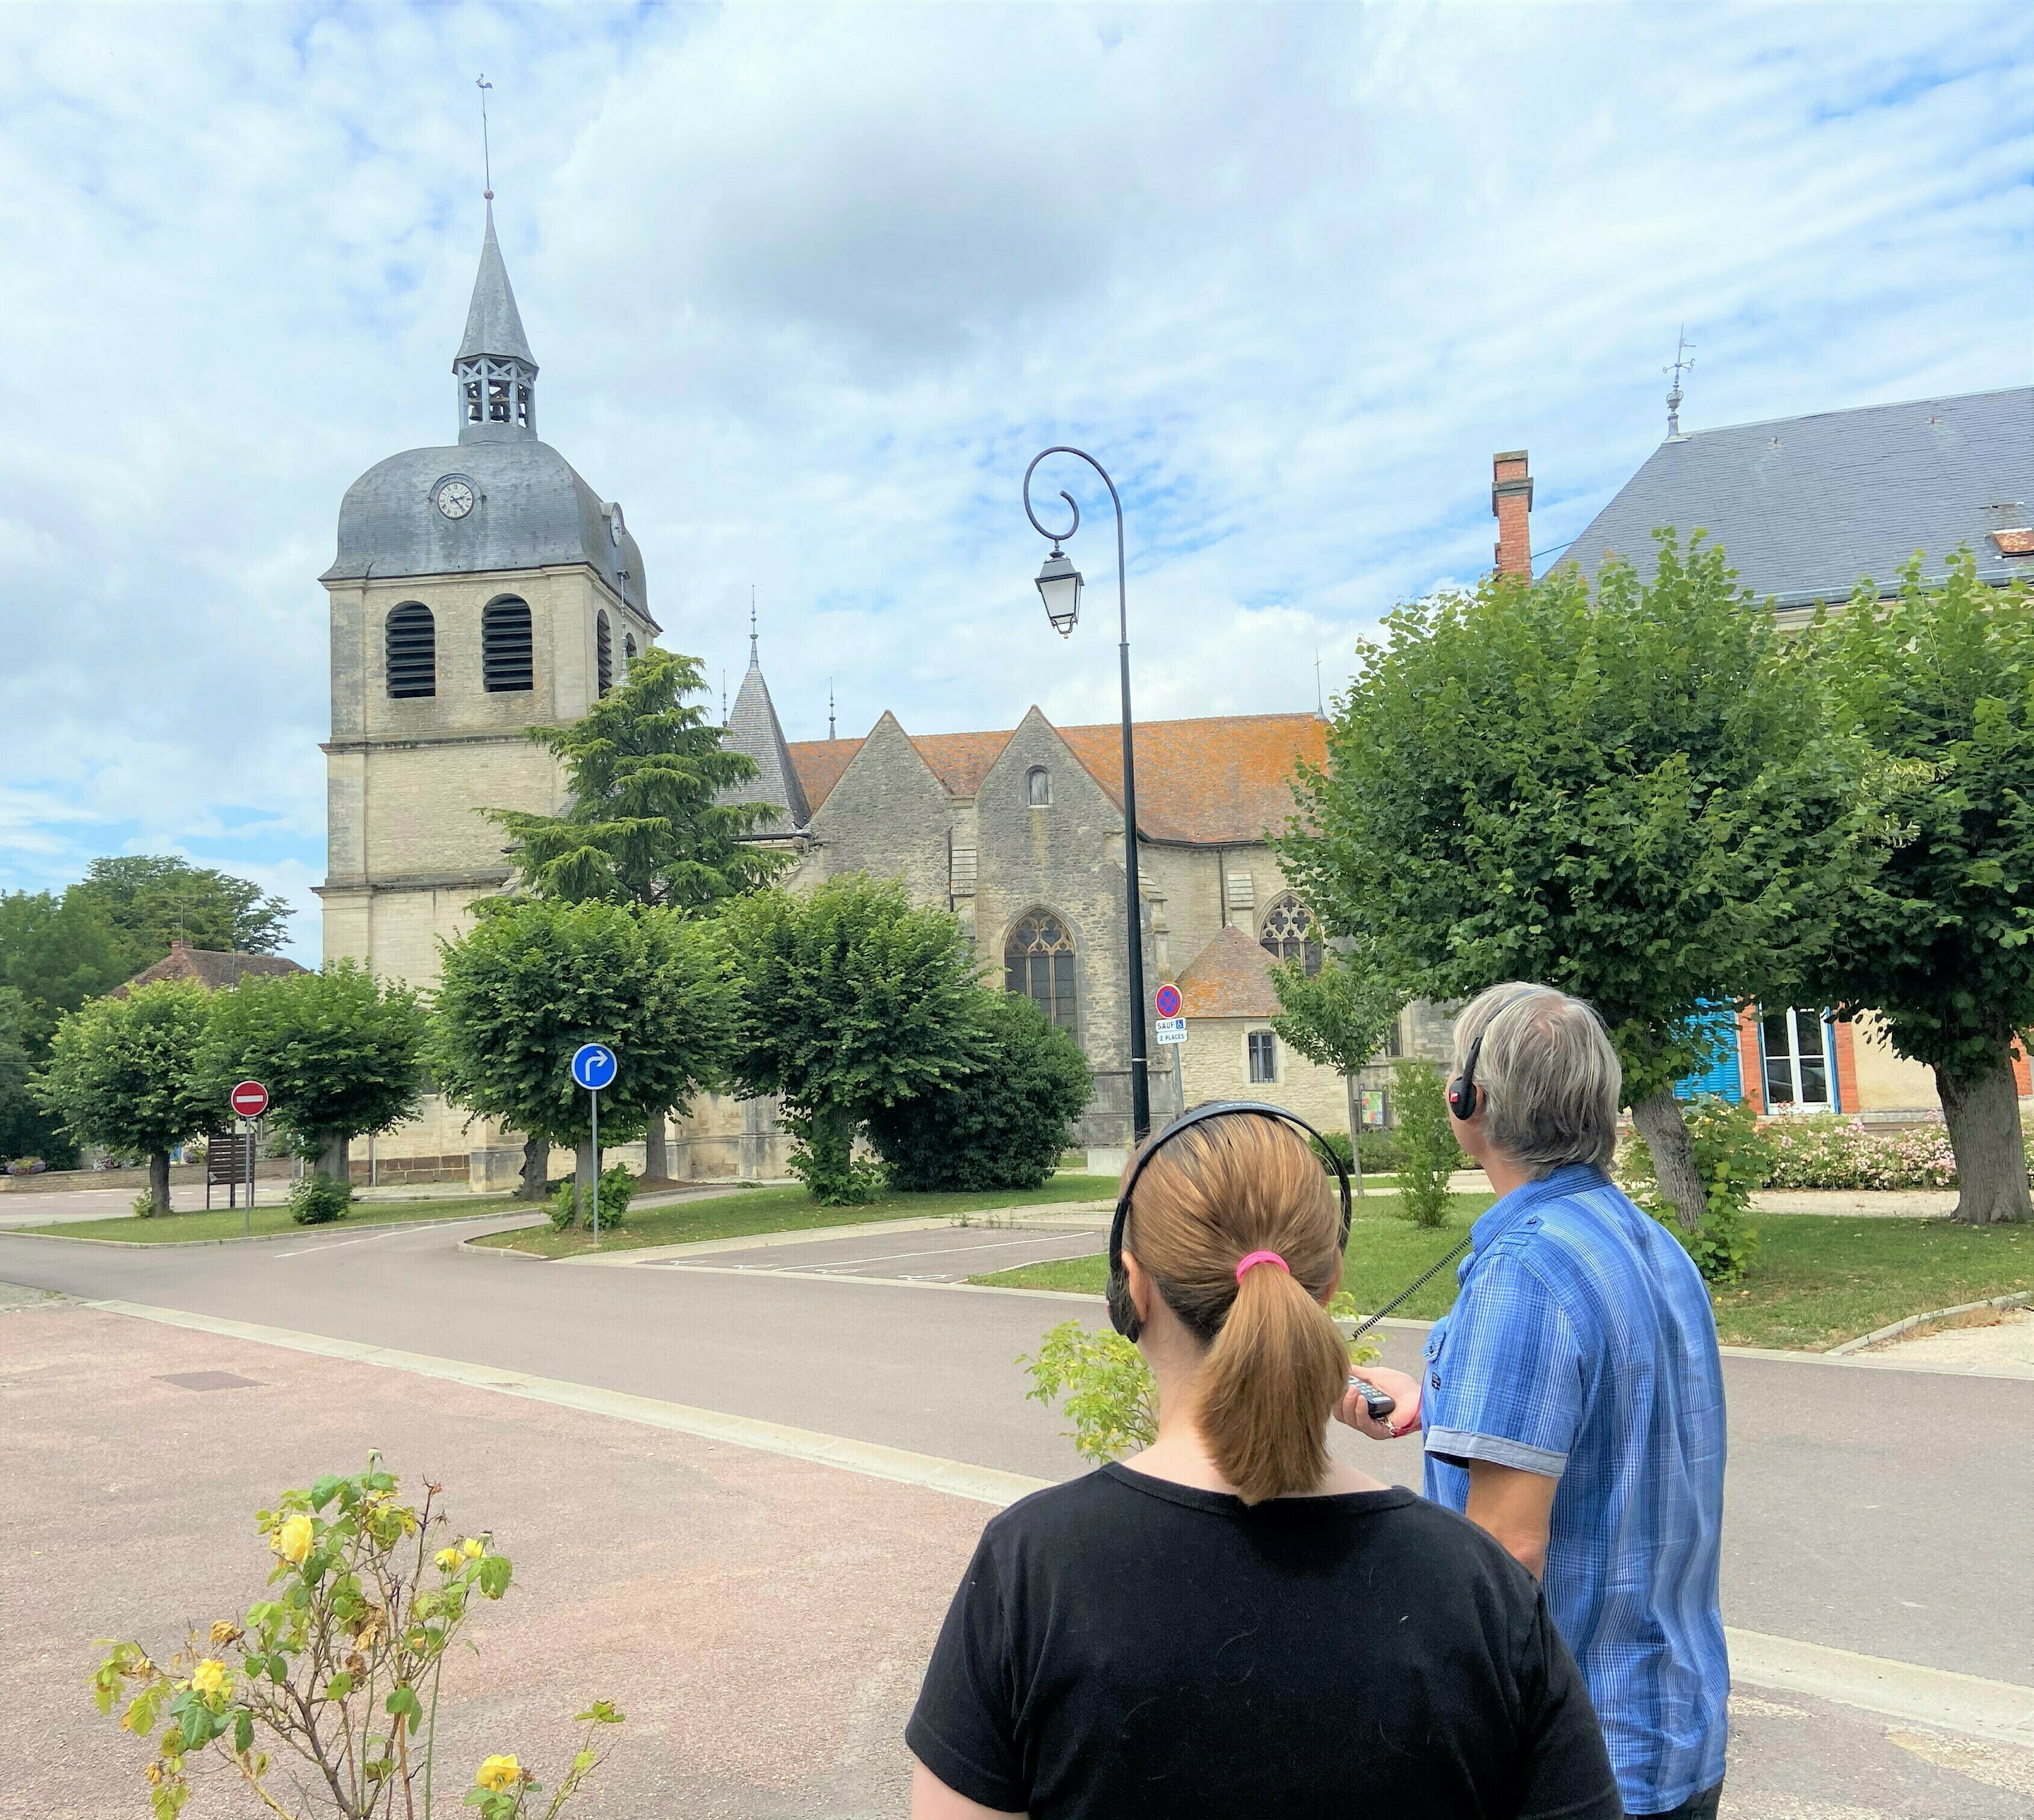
(1884, 1511)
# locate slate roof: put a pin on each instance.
(1231, 977)
(211, 968)
(754, 730)
(1803, 506)
(1220, 782)
(493, 323)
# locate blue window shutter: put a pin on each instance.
(1723, 1077)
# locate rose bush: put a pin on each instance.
(1840, 1153)
(341, 1667)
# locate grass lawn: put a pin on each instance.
(1816, 1281)
(785, 1209)
(225, 1222)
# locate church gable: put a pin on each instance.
(888, 816)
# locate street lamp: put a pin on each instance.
(1060, 588)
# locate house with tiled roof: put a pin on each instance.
(1020, 833)
(214, 968)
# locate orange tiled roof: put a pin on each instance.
(210, 967)
(1231, 977)
(1221, 781)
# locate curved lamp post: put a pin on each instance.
(1060, 588)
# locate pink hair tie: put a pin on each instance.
(1253, 1258)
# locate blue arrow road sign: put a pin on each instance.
(593, 1068)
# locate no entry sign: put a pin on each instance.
(250, 1099)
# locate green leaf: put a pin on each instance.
(243, 1732)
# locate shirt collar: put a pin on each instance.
(1498, 1217)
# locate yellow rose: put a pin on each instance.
(447, 1558)
(475, 1547)
(209, 1676)
(499, 1774)
(225, 1632)
(293, 1538)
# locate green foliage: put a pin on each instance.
(618, 1189)
(562, 1205)
(317, 1200)
(1627, 795)
(1383, 1151)
(55, 954)
(340, 1052)
(1341, 1017)
(152, 900)
(1733, 1159)
(534, 978)
(1428, 1153)
(644, 770)
(853, 1001)
(125, 1072)
(143, 1206)
(338, 1668)
(1103, 1387)
(1003, 1123)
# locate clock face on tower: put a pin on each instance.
(454, 496)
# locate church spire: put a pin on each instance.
(496, 371)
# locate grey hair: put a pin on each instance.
(1548, 1078)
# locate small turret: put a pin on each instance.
(497, 374)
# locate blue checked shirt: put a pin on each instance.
(1581, 1347)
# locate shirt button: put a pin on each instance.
(1436, 1380)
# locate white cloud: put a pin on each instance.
(810, 286)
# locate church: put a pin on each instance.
(482, 587)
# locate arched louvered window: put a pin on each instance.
(628, 646)
(506, 646)
(1289, 934)
(1038, 963)
(603, 651)
(412, 648)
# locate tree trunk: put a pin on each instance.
(1355, 1132)
(536, 1169)
(1983, 1118)
(159, 1181)
(334, 1163)
(656, 1158)
(585, 1167)
(1658, 1118)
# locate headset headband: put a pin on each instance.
(1119, 1298)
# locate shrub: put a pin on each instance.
(1733, 1157)
(562, 1205)
(618, 1189)
(1002, 1124)
(1428, 1153)
(338, 1667)
(26, 1166)
(143, 1206)
(1839, 1152)
(318, 1200)
(1383, 1151)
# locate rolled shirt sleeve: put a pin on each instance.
(1507, 1375)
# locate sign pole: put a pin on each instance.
(247, 1205)
(593, 1093)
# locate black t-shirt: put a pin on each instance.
(1125, 1646)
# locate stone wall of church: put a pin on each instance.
(888, 816)
(1216, 1067)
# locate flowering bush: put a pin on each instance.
(26, 1166)
(340, 1667)
(1840, 1153)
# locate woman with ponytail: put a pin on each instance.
(1233, 1623)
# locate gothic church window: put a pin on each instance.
(1288, 933)
(1038, 787)
(506, 646)
(603, 651)
(1038, 964)
(411, 649)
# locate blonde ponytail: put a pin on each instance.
(1276, 1365)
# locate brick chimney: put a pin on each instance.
(1512, 505)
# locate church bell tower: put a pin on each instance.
(481, 588)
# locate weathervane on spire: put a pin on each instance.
(487, 155)
(754, 663)
(1682, 363)
(830, 732)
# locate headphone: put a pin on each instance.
(1464, 1096)
(1122, 1311)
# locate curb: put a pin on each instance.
(252, 1238)
(2019, 1299)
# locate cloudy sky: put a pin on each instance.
(809, 285)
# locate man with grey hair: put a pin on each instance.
(1572, 1403)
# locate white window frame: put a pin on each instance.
(1797, 1016)
(1270, 1037)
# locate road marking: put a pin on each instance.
(1967, 1703)
(340, 1244)
(947, 1250)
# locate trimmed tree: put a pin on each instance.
(1002, 1124)
(1628, 795)
(1338, 1018)
(341, 1052)
(646, 825)
(1941, 681)
(854, 1000)
(533, 980)
(125, 1073)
